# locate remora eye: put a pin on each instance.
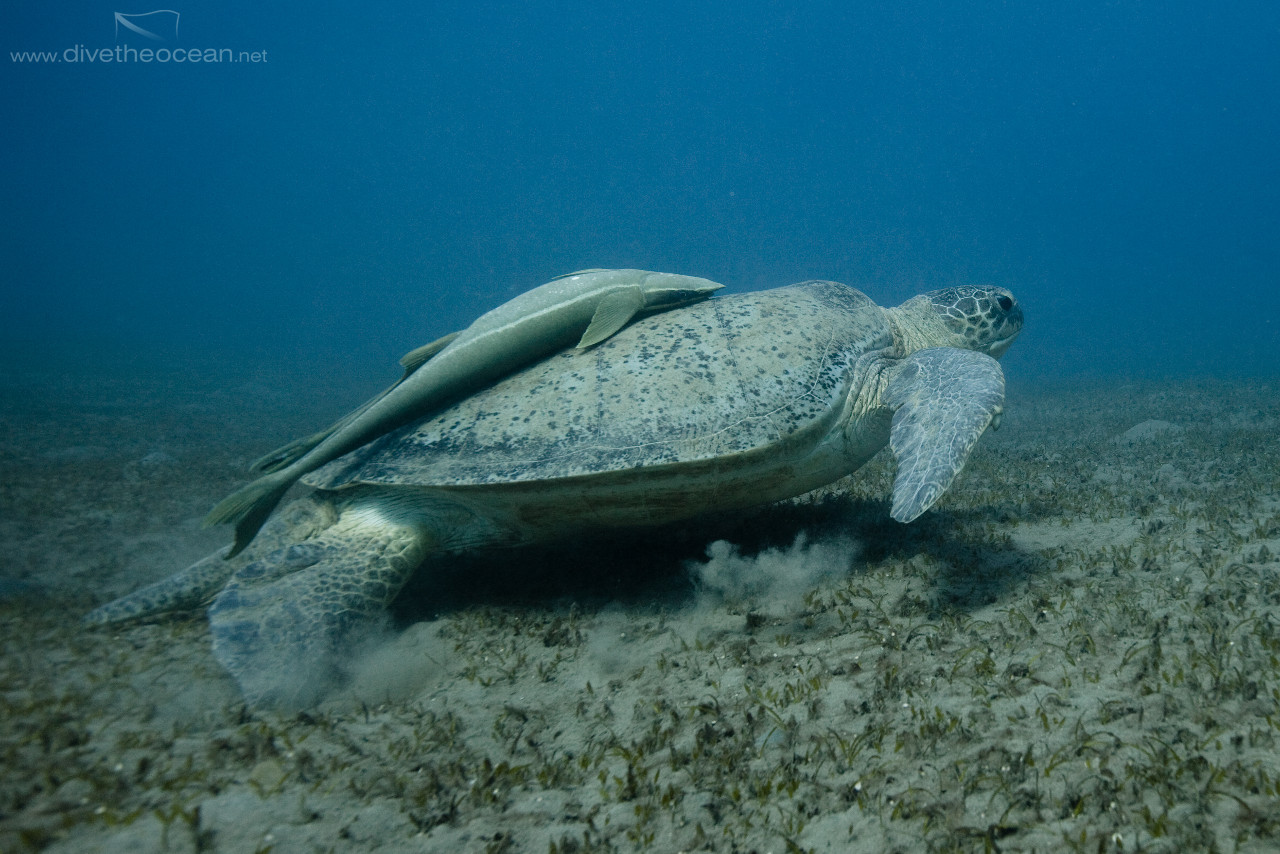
(1004, 302)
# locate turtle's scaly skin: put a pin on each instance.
(729, 403)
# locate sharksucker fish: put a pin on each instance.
(588, 307)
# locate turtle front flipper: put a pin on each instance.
(943, 398)
(281, 623)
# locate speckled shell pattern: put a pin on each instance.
(730, 376)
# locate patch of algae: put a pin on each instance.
(1078, 650)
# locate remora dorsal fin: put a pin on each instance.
(416, 358)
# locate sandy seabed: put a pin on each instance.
(1078, 649)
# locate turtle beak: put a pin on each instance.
(1009, 329)
(997, 348)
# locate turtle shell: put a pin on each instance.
(714, 380)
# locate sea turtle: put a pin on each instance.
(736, 401)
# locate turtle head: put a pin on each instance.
(974, 317)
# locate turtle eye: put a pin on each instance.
(1004, 302)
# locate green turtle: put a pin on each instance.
(587, 306)
(729, 403)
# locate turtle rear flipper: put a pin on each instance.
(281, 623)
(943, 398)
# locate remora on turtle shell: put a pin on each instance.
(590, 306)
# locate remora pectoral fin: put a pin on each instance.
(614, 312)
(943, 398)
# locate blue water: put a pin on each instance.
(384, 173)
